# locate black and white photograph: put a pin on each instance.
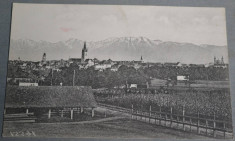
(117, 71)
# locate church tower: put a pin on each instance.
(141, 59)
(222, 60)
(84, 52)
(44, 59)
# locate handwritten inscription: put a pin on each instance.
(22, 133)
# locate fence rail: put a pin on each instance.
(204, 126)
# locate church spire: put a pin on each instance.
(84, 52)
(141, 59)
(222, 60)
(44, 58)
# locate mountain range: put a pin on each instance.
(120, 48)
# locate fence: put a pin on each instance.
(204, 126)
(20, 117)
(199, 125)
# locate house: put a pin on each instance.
(193, 65)
(126, 63)
(23, 66)
(181, 65)
(201, 65)
(171, 64)
(102, 66)
(182, 78)
(218, 61)
(158, 64)
(114, 68)
(133, 85)
(89, 62)
(27, 84)
(19, 79)
(75, 60)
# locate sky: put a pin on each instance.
(60, 22)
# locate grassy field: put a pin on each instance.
(120, 128)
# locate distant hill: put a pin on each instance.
(123, 48)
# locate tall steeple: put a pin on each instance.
(84, 52)
(141, 59)
(222, 60)
(44, 58)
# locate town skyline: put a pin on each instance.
(119, 49)
(138, 59)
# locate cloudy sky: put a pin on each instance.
(58, 22)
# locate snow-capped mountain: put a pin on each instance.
(122, 48)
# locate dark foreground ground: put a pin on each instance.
(116, 128)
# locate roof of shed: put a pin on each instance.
(49, 96)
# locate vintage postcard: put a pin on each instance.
(118, 71)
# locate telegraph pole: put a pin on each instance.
(51, 76)
(73, 77)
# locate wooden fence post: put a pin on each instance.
(150, 109)
(160, 111)
(163, 101)
(224, 130)
(78, 110)
(177, 117)
(27, 111)
(81, 109)
(155, 118)
(198, 123)
(145, 116)
(160, 119)
(49, 113)
(71, 116)
(62, 113)
(190, 124)
(165, 118)
(132, 110)
(141, 114)
(136, 114)
(206, 126)
(183, 118)
(171, 118)
(214, 123)
(92, 112)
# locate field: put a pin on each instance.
(206, 99)
(200, 106)
(117, 128)
(203, 102)
(196, 83)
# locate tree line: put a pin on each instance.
(73, 75)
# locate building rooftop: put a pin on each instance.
(49, 96)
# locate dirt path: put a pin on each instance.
(119, 128)
(173, 125)
(84, 122)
